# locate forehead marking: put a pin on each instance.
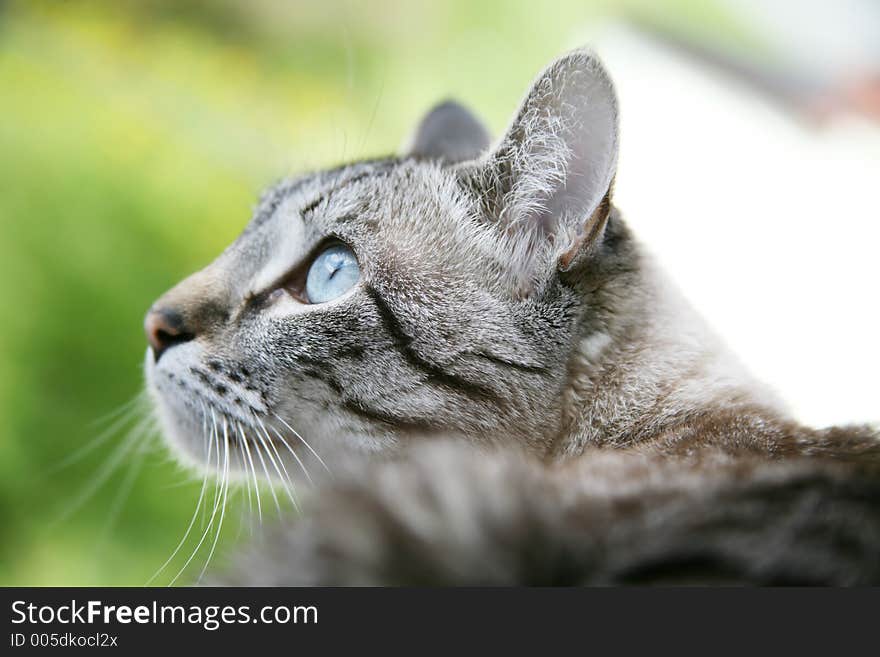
(326, 194)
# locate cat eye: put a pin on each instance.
(332, 273)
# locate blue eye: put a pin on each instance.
(333, 273)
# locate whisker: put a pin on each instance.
(216, 438)
(123, 493)
(126, 407)
(225, 495)
(250, 459)
(268, 477)
(195, 514)
(247, 459)
(97, 441)
(217, 488)
(106, 470)
(290, 483)
(304, 442)
(293, 453)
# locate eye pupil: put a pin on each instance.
(332, 273)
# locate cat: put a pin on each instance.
(487, 380)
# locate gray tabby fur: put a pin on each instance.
(573, 401)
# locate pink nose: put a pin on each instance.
(165, 328)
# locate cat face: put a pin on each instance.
(393, 300)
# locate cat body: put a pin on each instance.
(509, 391)
(444, 515)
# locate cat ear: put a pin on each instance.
(550, 176)
(448, 132)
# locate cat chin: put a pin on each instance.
(186, 440)
(187, 446)
(186, 443)
(181, 430)
(184, 419)
(208, 439)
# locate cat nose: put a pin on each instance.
(165, 328)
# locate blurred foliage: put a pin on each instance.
(135, 137)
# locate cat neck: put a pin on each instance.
(645, 362)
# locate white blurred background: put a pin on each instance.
(768, 219)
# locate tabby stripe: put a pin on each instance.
(277, 197)
(379, 167)
(523, 367)
(354, 351)
(326, 377)
(360, 409)
(435, 374)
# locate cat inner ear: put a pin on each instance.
(549, 179)
(450, 133)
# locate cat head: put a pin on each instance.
(386, 301)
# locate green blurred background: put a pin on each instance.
(134, 140)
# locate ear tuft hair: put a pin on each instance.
(549, 179)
